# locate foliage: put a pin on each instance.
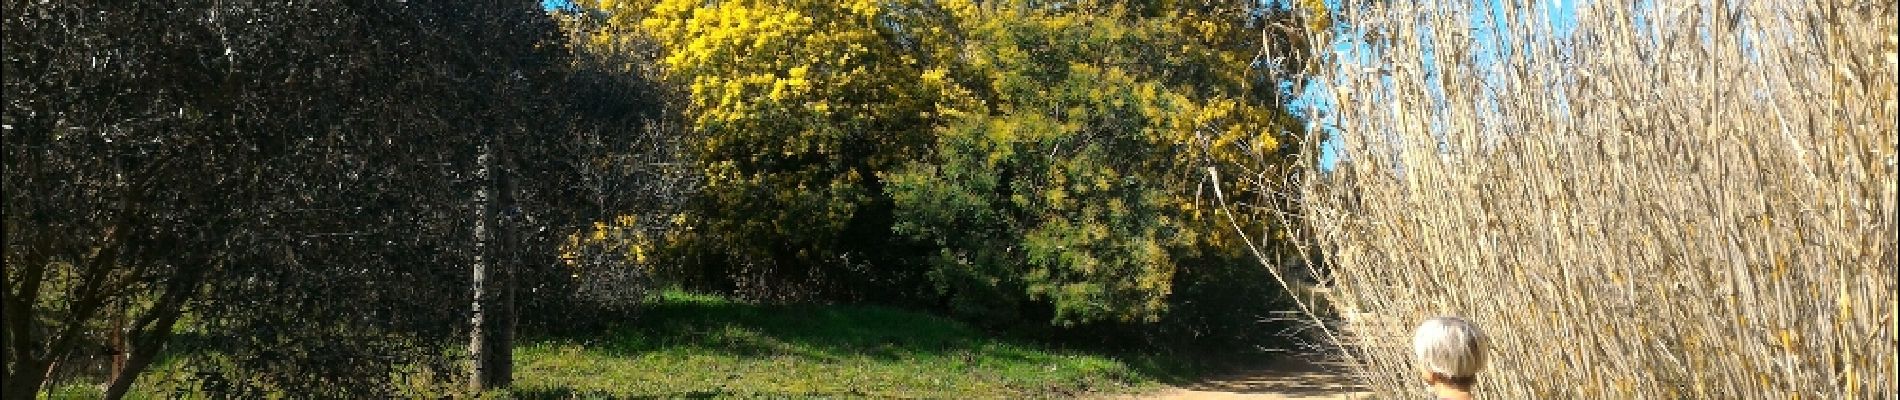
(1036, 162)
(117, 146)
(303, 188)
(634, 174)
(297, 183)
(610, 263)
(1084, 187)
(797, 108)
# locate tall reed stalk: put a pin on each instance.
(1666, 200)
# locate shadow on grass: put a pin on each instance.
(568, 393)
(819, 332)
(795, 351)
(692, 346)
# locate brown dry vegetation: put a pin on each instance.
(1681, 199)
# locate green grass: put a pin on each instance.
(685, 345)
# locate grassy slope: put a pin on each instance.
(689, 346)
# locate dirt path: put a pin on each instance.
(1291, 378)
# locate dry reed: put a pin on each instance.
(1665, 200)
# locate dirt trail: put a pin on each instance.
(1290, 378)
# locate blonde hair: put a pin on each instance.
(1450, 346)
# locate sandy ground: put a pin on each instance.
(1291, 378)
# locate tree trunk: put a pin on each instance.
(136, 358)
(119, 347)
(492, 319)
(478, 334)
(141, 342)
(25, 365)
(23, 382)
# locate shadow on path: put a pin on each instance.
(1290, 377)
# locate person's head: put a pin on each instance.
(1450, 351)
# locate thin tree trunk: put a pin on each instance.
(137, 356)
(478, 349)
(35, 365)
(135, 363)
(7, 314)
(6, 327)
(147, 336)
(121, 346)
(26, 366)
